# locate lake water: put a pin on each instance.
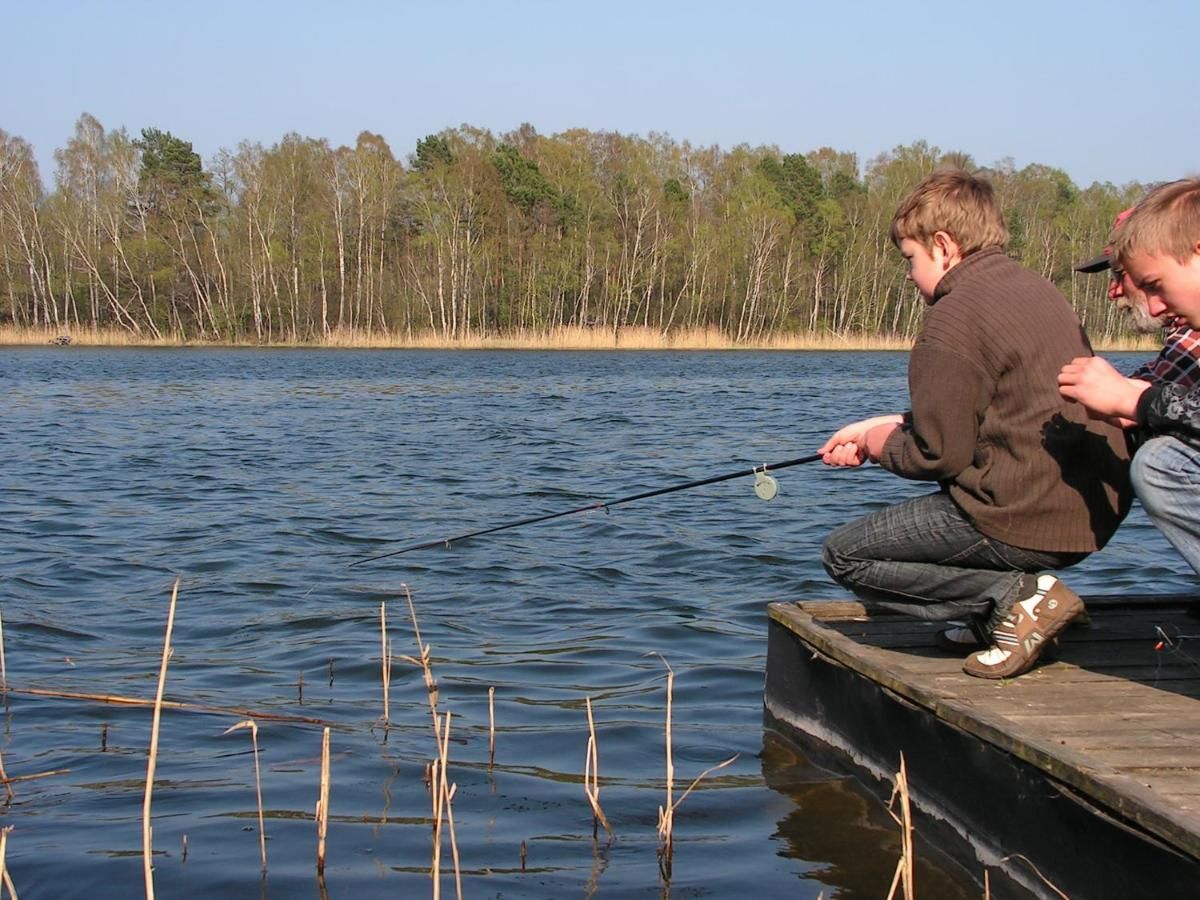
(259, 477)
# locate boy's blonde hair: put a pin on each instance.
(956, 202)
(1166, 222)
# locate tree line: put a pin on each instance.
(475, 234)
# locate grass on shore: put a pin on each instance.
(563, 338)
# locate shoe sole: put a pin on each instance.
(1051, 652)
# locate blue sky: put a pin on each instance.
(1106, 91)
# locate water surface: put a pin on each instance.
(259, 477)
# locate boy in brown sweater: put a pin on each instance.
(1027, 482)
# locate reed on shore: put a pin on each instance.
(443, 790)
(560, 338)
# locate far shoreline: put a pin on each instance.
(561, 338)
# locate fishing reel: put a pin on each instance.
(765, 486)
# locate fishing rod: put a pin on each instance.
(764, 486)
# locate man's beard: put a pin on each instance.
(1142, 322)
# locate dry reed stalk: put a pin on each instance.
(34, 776)
(491, 725)
(262, 834)
(591, 776)
(448, 790)
(904, 867)
(5, 878)
(431, 687)
(118, 700)
(152, 761)
(559, 338)
(435, 865)
(666, 816)
(442, 791)
(1036, 871)
(3, 665)
(8, 791)
(443, 811)
(323, 803)
(82, 335)
(701, 777)
(385, 658)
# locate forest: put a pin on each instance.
(477, 234)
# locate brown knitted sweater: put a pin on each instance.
(987, 422)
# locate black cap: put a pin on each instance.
(1095, 264)
(1102, 262)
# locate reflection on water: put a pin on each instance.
(258, 477)
(848, 834)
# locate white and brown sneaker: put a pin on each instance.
(1027, 632)
(963, 637)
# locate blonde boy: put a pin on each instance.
(1158, 246)
(1026, 481)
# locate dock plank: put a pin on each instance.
(1116, 718)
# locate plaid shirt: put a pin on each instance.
(1177, 363)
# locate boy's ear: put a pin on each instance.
(951, 252)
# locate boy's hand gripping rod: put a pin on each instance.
(764, 486)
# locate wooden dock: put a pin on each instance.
(1085, 770)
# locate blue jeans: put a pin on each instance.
(1166, 478)
(923, 557)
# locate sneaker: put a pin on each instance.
(962, 638)
(1020, 640)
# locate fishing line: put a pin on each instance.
(765, 487)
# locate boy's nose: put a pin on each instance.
(1155, 306)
